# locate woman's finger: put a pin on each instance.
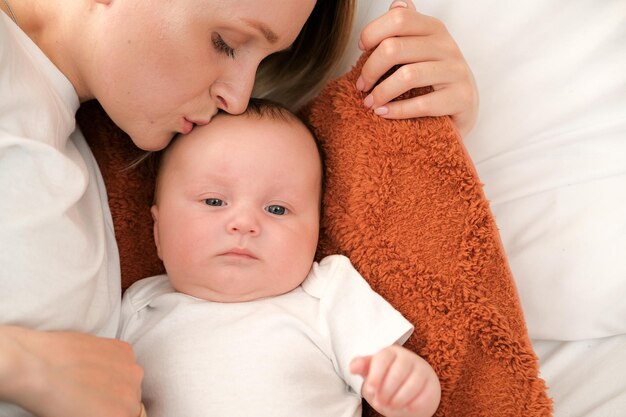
(423, 74)
(436, 103)
(398, 21)
(399, 51)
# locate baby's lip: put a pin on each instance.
(239, 252)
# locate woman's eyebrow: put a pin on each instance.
(268, 33)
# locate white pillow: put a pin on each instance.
(550, 146)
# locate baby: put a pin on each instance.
(245, 323)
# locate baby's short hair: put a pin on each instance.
(267, 108)
(264, 108)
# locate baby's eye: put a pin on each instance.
(276, 209)
(214, 202)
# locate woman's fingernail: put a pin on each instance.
(399, 4)
(369, 100)
(381, 111)
(361, 46)
(360, 84)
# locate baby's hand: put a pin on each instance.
(398, 383)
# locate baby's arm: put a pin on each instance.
(398, 383)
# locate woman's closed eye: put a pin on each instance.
(214, 202)
(221, 46)
(276, 210)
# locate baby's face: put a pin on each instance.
(237, 215)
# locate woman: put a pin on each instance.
(158, 69)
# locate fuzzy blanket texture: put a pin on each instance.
(404, 202)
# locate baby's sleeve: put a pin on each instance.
(127, 313)
(136, 298)
(356, 320)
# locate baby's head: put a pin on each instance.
(237, 205)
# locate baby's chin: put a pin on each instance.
(227, 294)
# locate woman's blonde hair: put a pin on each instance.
(289, 77)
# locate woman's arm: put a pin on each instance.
(426, 55)
(65, 374)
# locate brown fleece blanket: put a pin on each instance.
(403, 201)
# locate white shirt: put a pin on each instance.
(59, 266)
(279, 356)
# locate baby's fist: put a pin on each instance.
(398, 383)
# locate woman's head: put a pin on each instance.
(157, 67)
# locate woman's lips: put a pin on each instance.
(187, 126)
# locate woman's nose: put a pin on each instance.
(233, 92)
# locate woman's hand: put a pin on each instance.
(426, 55)
(64, 374)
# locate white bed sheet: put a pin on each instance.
(586, 378)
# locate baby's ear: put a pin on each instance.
(154, 210)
